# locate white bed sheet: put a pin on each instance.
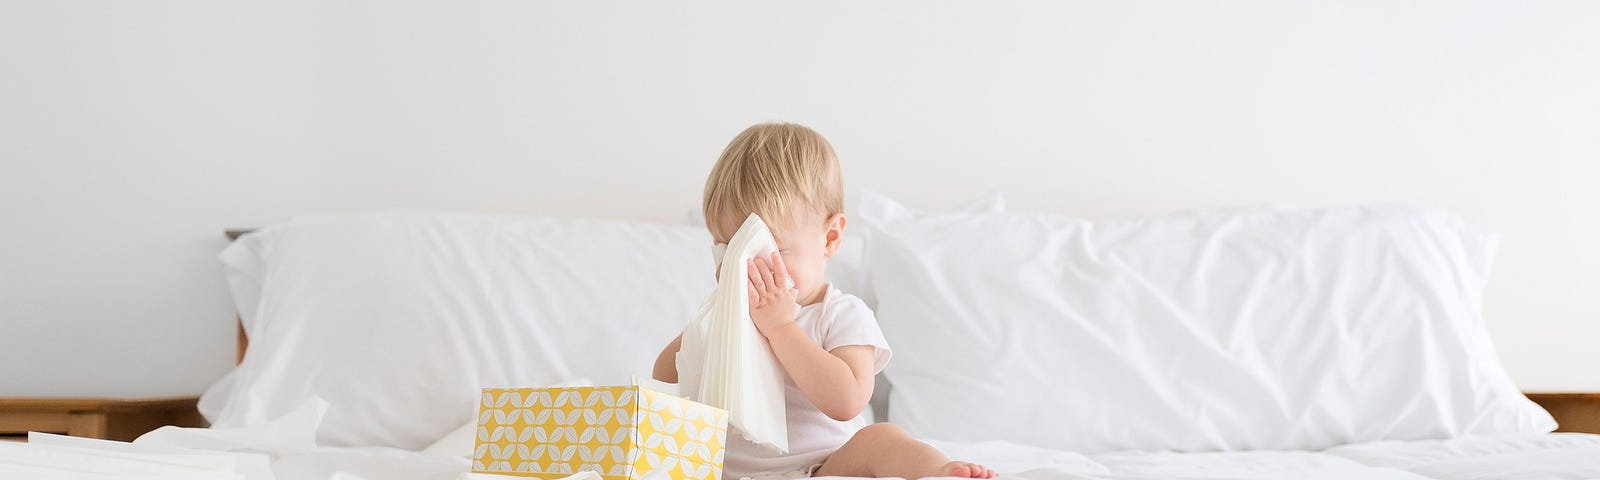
(1509, 457)
(370, 463)
(1022, 462)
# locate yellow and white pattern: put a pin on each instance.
(622, 433)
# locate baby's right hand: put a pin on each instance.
(771, 299)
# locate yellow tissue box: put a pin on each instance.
(621, 433)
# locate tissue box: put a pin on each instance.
(621, 433)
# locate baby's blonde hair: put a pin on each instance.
(765, 168)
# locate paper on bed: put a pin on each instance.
(50, 457)
(724, 362)
(291, 434)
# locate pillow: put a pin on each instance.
(1260, 329)
(848, 271)
(398, 318)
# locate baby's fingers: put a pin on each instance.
(755, 277)
(780, 272)
(766, 275)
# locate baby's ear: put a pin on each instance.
(834, 235)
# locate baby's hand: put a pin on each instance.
(771, 300)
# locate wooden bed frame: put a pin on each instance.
(1574, 411)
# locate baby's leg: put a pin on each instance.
(885, 450)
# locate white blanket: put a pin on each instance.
(1508, 457)
(50, 457)
(724, 362)
(1512, 457)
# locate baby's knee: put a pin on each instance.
(881, 431)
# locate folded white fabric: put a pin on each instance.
(293, 433)
(724, 362)
(50, 457)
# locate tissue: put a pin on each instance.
(724, 361)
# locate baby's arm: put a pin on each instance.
(667, 363)
(838, 381)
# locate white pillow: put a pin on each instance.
(848, 271)
(398, 318)
(1292, 329)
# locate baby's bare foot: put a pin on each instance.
(965, 470)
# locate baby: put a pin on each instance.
(827, 341)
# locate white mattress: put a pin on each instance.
(1548, 457)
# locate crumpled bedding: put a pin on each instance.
(1508, 457)
(1555, 456)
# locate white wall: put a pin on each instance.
(131, 133)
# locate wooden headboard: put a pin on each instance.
(1575, 411)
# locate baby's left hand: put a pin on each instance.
(771, 300)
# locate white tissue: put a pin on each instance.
(724, 361)
(48, 456)
(293, 433)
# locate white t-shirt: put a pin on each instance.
(839, 320)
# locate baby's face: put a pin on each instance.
(805, 244)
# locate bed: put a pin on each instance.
(1261, 343)
(1547, 456)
